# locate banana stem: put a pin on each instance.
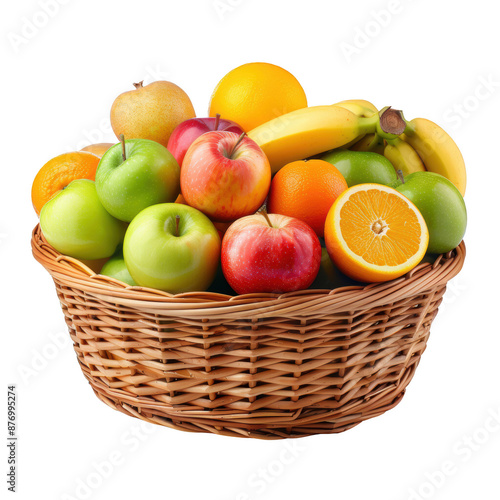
(391, 123)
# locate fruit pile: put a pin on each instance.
(264, 195)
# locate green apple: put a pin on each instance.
(116, 268)
(359, 167)
(148, 175)
(172, 247)
(75, 223)
(442, 207)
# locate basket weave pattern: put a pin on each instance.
(258, 365)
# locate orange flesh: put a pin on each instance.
(380, 227)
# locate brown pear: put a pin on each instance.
(151, 112)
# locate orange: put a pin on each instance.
(306, 190)
(180, 199)
(374, 233)
(256, 93)
(57, 173)
(98, 149)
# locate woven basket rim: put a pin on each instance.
(72, 272)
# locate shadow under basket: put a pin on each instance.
(259, 365)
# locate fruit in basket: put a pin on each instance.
(329, 277)
(187, 132)
(358, 167)
(58, 172)
(135, 174)
(374, 233)
(115, 267)
(255, 93)
(226, 176)
(315, 130)
(270, 253)
(76, 224)
(98, 149)
(151, 112)
(306, 190)
(437, 149)
(369, 143)
(403, 157)
(442, 207)
(359, 107)
(172, 247)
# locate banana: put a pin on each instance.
(359, 107)
(370, 142)
(403, 157)
(309, 131)
(437, 150)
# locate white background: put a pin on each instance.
(58, 81)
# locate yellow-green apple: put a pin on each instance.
(115, 267)
(75, 223)
(135, 174)
(442, 206)
(172, 247)
(151, 112)
(226, 176)
(270, 253)
(187, 132)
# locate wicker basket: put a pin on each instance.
(260, 365)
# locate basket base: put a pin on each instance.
(304, 423)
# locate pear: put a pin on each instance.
(151, 112)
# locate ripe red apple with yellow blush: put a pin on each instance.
(225, 176)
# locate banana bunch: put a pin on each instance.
(411, 146)
(311, 131)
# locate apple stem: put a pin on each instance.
(217, 120)
(139, 85)
(122, 140)
(401, 176)
(177, 220)
(266, 216)
(240, 138)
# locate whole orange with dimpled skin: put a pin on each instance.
(306, 190)
(58, 172)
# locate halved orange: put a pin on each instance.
(374, 233)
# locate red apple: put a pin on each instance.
(225, 176)
(188, 131)
(270, 253)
